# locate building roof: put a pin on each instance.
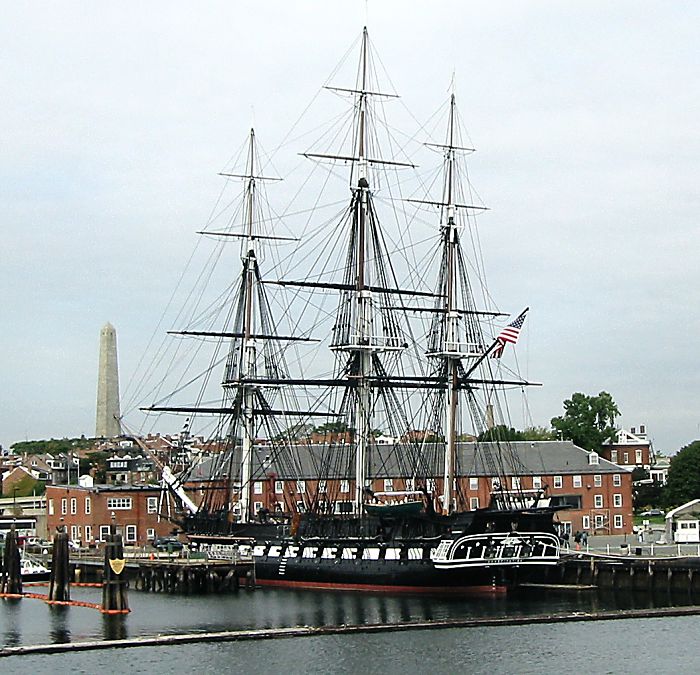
(521, 458)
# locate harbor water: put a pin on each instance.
(631, 645)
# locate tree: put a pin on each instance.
(683, 482)
(500, 433)
(588, 421)
(538, 434)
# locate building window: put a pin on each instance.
(537, 482)
(88, 533)
(322, 487)
(430, 484)
(301, 486)
(586, 522)
(410, 485)
(515, 483)
(301, 508)
(593, 458)
(617, 480)
(558, 481)
(577, 481)
(599, 522)
(617, 501)
(257, 506)
(598, 480)
(613, 456)
(473, 503)
(617, 522)
(152, 504)
(344, 486)
(388, 485)
(88, 506)
(119, 503)
(598, 501)
(50, 507)
(638, 456)
(625, 457)
(75, 532)
(473, 483)
(257, 487)
(130, 537)
(73, 506)
(64, 506)
(279, 487)
(150, 534)
(104, 532)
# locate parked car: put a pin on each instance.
(167, 544)
(652, 512)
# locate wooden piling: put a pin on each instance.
(11, 581)
(114, 584)
(59, 585)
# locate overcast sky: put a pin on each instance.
(116, 118)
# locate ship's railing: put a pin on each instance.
(515, 548)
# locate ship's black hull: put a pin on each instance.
(395, 556)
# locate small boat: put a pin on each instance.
(405, 504)
(33, 570)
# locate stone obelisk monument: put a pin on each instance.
(108, 385)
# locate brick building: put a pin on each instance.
(631, 449)
(87, 512)
(597, 492)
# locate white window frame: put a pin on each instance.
(322, 487)
(410, 484)
(119, 503)
(473, 483)
(301, 487)
(279, 487)
(430, 484)
(515, 482)
(558, 482)
(577, 481)
(586, 522)
(75, 532)
(638, 456)
(537, 482)
(104, 532)
(150, 533)
(87, 506)
(257, 487)
(74, 506)
(51, 507)
(64, 506)
(257, 506)
(388, 485)
(152, 504)
(598, 480)
(130, 534)
(617, 501)
(599, 521)
(473, 503)
(617, 480)
(598, 501)
(344, 487)
(617, 521)
(88, 533)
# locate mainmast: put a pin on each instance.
(246, 369)
(363, 296)
(452, 354)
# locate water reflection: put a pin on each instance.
(59, 622)
(114, 626)
(11, 622)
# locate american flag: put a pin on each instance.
(509, 334)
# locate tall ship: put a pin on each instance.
(363, 385)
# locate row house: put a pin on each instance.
(596, 494)
(87, 512)
(631, 449)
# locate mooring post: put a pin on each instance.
(59, 586)
(114, 584)
(12, 565)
